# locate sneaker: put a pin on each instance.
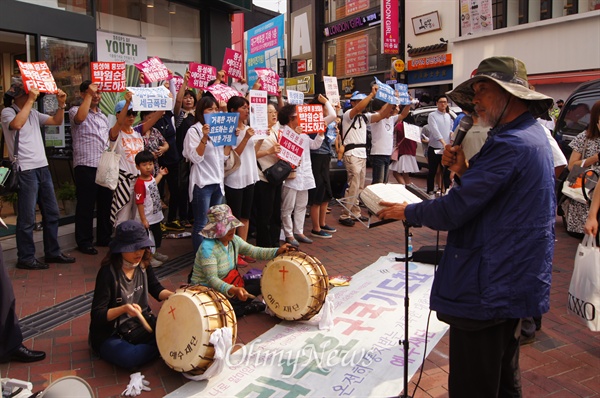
(163, 229)
(155, 263)
(174, 226)
(248, 259)
(348, 222)
(302, 238)
(328, 229)
(161, 257)
(320, 234)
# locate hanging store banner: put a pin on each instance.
(264, 45)
(430, 62)
(390, 34)
(115, 47)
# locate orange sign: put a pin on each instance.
(430, 62)
(398, 65)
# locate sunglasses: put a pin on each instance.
(132, 113)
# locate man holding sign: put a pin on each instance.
(36, 187)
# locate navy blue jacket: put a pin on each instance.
(498, 258)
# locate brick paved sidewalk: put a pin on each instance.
(564, 361)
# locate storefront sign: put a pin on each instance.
(390, 35)
(305, 84)
(259, 112)
(398, 65)
(310, 118)
(354, 6)
(430, 62)
(222, 127)
(151, 98)
(232, 63)
(38, 75)
(301, 68)
(109, 76)
(302, 39)
(222, 92)
(115, 47)
(331, 89)
(291, 146)
(153, 70)
(264, 45)
(269, 80)
(201, 74)
(357, 56)
(430, 75)
(352, 24)
(426, 23)
(475, 16)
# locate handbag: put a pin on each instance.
(107, 173)
(234, 278)
(134, 332)
(277, 173)
(232, 163)
(584, 290)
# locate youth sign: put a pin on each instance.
(109, 76)
(38, 75)
(222, 127)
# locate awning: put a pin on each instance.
(565, 77)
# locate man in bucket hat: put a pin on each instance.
(496, 268)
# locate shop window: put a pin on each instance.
(499, 12)
(340, 9)
(571, 7)
(355, 54)
(545, 9)
(523, 11)
(77, 6)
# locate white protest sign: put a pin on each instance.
(412, 132)
(331, 89)
(151, 98)
(291, 146)
(295, 97)
(259, 112)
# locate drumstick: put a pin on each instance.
(143, 321)
(251, 296)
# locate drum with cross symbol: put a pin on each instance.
(294, 286)
(185, 323)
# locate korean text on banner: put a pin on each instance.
(109, 76)
(385, 93)
(295, 97)
(222, 127)
(222, 92)
(291, 146)
(259, 112)
(389, 27)
(402, 90)
(269, 80)
(412, 132)
(38, 75)
(151, 98)
(310, 118)
(232, 63)
(154, 70)
(331, 89)
(178, 81)
(200, 75)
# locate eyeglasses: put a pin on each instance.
(132, 113)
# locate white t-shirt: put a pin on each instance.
(146, 193)
(356, 135)
(128, 145)
(247, 173)
(32, 154)
(382, 136)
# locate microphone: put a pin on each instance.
(465, 125)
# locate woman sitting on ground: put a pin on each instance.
(121, 293)
(215, 263)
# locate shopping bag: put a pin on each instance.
(107, 173)
(584, 291)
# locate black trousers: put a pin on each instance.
(267, 199)
(434, 161)
(90, 195)
(172, 180)
(10, 331)
(485, 362)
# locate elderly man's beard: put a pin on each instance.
(490, 116)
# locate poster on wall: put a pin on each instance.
(264, 45)
(357, 55)
(475, 16)
(115, 47)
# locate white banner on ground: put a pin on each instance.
(360, 356)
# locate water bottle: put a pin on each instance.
(410, 246)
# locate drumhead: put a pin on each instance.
(184, 325)
(68, 387)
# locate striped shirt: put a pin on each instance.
(90, 138)
(214, 261)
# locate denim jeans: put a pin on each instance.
(381, 165)
(203, 199)
(36, 187)
(126, 355)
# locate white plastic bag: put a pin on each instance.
(584, 291)
(107, 173)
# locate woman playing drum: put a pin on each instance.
(215, 264)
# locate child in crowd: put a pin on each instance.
(147, 199)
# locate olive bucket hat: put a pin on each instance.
(510, 73)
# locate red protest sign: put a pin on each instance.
(310, 118)
(232, 63)
(200, 75)
(154, 70)
(109, 76)
(38, 75)
(178, 81)
(269, 80)
(223, 92)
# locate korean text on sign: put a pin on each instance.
(331, 89)
(222, 127)
(201, 74)
(402, 90)
(232, 63)
(269, 80)
(310, 118)
(154, 70)
(295, 97)
(109, 76)
(222, 92)
(385, 93)
(291, 146)
(37, 74)
(259, 112)
(151, 98)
